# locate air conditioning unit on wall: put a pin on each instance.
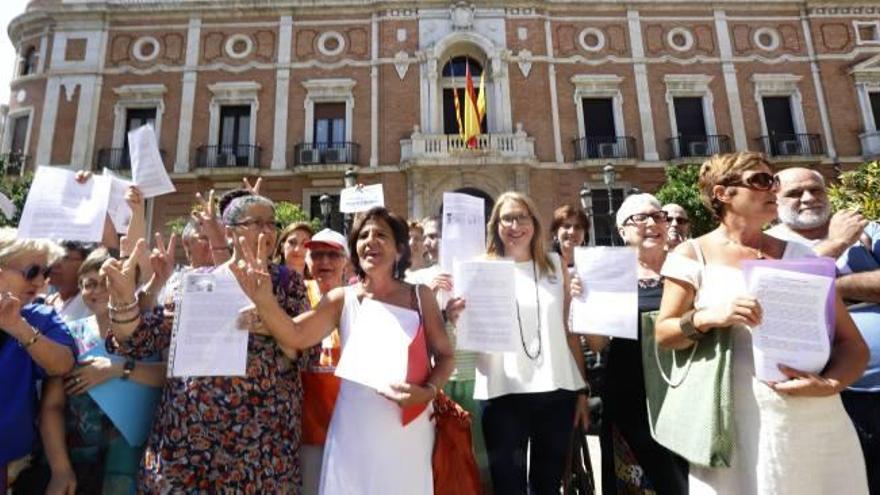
(336, 155)
(789, 147)
(607, 150)
(698, 148)
(309, 156)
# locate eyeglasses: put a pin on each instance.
(259, 224)
(92, 284)
(331, 255)
(678, 220)
(641, 218)
(761, 181)
(31, 272)
(521, 219)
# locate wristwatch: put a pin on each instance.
(127, 368)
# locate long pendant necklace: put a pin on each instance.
(522, 337)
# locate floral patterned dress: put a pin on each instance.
(226, 434)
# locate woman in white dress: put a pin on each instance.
(791, 437)
(368, 448)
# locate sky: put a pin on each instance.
(11, 8)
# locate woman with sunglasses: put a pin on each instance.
(789, 437)
(221, 434)
(82, 446)
(34, 342)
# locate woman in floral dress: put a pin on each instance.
(222, 434)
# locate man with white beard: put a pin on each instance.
(855, 243)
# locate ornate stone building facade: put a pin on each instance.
(299, 91)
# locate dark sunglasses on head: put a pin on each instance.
(31, 272)
(761, 181)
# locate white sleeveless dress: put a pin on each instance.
(368, 450)
(782, 445)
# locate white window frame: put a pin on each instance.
(310, 192)
(598, 86)
(693, 86)
(780, 85)
(859, 24)
(328, 91)
(137, 96)
(10, 119)
(233, 93)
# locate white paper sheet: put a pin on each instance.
(117, 208)
(464, 230)
(356, 199)
(147, 169)
(206, 341)
(609, 304)
(57, 207)
(488, 322)
(7, 207)
(376, 353)
(793, 330)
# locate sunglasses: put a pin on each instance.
(31, 272)
(761, 181)
(679, 220)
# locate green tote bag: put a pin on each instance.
(690, 397)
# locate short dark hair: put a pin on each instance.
(566, 212)
(83, 248)
(399, 229)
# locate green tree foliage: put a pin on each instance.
(287, 213)
(681, 188)
(858, 189)
(16, 189)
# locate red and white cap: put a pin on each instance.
(330, 238)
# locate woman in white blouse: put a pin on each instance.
(530, 397)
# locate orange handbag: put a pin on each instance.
(454, 464)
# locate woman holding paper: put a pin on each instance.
(626, 434)
(80, 441)
(788, 437)
(377, 442)
(221, 434)
(531, 397)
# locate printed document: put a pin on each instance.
(206, 339)
(147, 169)
(118, 209)
(361, 198)
(58, 207)
(464, 230)
(488, 323)
(609, 304)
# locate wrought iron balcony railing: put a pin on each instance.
(347, 153)
(792, 145)
(116, 159)
(239, 155)
(684, 146)
(604, 147)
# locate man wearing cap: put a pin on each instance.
(326, 257)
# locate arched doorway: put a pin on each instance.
(488, 201)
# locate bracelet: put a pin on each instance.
(434, 389)
(32, 341)
(123, 308)
(123, 322)
(686, 324)
(127, 368)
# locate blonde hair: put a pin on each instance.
(537, 247)
(721, 170)
(12, 246)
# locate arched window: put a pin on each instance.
(453, 83)
(29, 62)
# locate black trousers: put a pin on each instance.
(864, 410)
(538, 423)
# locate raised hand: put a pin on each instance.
(122, 275)
(208, 218)
(162, 257)
(82, 176)
(88, 374)
(134, 198)
(255, 188)
(251, 270)
(846, 227)
(10, 311)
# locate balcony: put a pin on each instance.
(870, 144)
(117, 159)
(604, 148)
(698, 146)
(233, 156)
(782, 145)
(308, 154)
(13, 162)
(451, 149)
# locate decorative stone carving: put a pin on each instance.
(401, 35)
(331, 43)
(522, 33)
(592, 39)
(401, 64)
(524, 61)
(146, 49)
(462, 16)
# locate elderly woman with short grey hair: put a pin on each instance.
(223, 434)
(626, 434)
(34, 342)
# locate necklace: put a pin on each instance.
(758, 252)
(522, 337)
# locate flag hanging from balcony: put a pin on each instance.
(474, 108)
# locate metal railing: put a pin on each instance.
(602, 147)
(239, 155)
(117, 159)
(347, 153)
(13, 162)
(684, 146)
(792, 144)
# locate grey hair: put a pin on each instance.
(239, 206)
(793, 170)
(11, 246)
(632, 203)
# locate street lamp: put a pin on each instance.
(608, 176)
(350, 179)
(326, 207)
(586, 195)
